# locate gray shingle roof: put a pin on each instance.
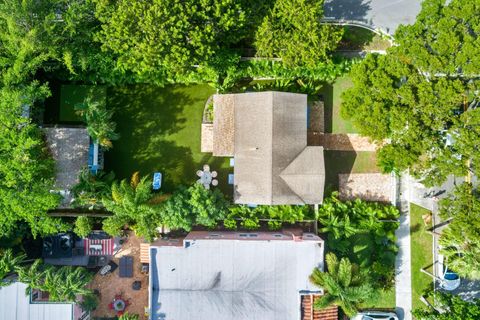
(69, 148)
(270, 132)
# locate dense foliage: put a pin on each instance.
(194, 206)
(9, 263)
(449, 307)
(26, 169)
(62, 283)
(345, 285)
(460, 240)
(129, 203)
(419, 99)
(293, 32)
(159, 38)
(249, 218)
(91, 188)
(364, 232)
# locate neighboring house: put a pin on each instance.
(15, 304)
(66, 249)
(212, 275)
(73, 150)
(266, 133)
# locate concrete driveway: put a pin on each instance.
(386, 15)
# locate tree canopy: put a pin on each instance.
(292, 31)
(161, 38)
(460, 240)
(415, 99)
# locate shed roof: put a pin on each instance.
(15, 305)
(231, 279)
(69, 148)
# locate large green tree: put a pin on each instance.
(460, 240)
(160, 39)
(343, 284)
(26, 168)
(292, 31)
(194, 206)
(415, 99)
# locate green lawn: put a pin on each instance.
(334, 123)
(337, 162)
(160, 131)
(386, 300)
(421, 248)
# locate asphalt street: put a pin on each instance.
(383, 14)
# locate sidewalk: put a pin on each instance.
(403, 272)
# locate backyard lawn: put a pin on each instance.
(160, 131)
(334, 123)
(337, 162)
(421, 242)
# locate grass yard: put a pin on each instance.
(421, 248)
(337, 162)
(160, 131)
(334, 123)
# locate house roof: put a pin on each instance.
(230, 279)
(15, 305)
(270, 135)
(223, 125)
(69, 148)
(310, 313)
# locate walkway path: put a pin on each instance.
(340, 141)
(403, 266)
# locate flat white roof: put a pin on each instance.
(232, 279)
(15, 305)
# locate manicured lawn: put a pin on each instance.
(421, 248)
(334, 123)
(160, 131)
(386, 300)
(337, 162)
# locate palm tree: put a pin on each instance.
(66, 283)
(130, 203)
(32, 276)
(342, 284)
(9, 264)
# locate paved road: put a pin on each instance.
(403, 265)
(384, 14)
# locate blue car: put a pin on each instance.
(157, 180)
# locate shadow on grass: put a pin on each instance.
(160, 132)
(337, 162)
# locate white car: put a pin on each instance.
(375, 315)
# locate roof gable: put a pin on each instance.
(306, 175)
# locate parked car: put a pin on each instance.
(375, 315)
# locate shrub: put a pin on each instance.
(83, 226)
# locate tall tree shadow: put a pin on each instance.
(347, 9)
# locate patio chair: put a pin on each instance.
(230, 178)
(110, 306)
(199, 173)
(214, 174)
(232, 162)
(214, 182)
(206, 167)
(157, 180)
